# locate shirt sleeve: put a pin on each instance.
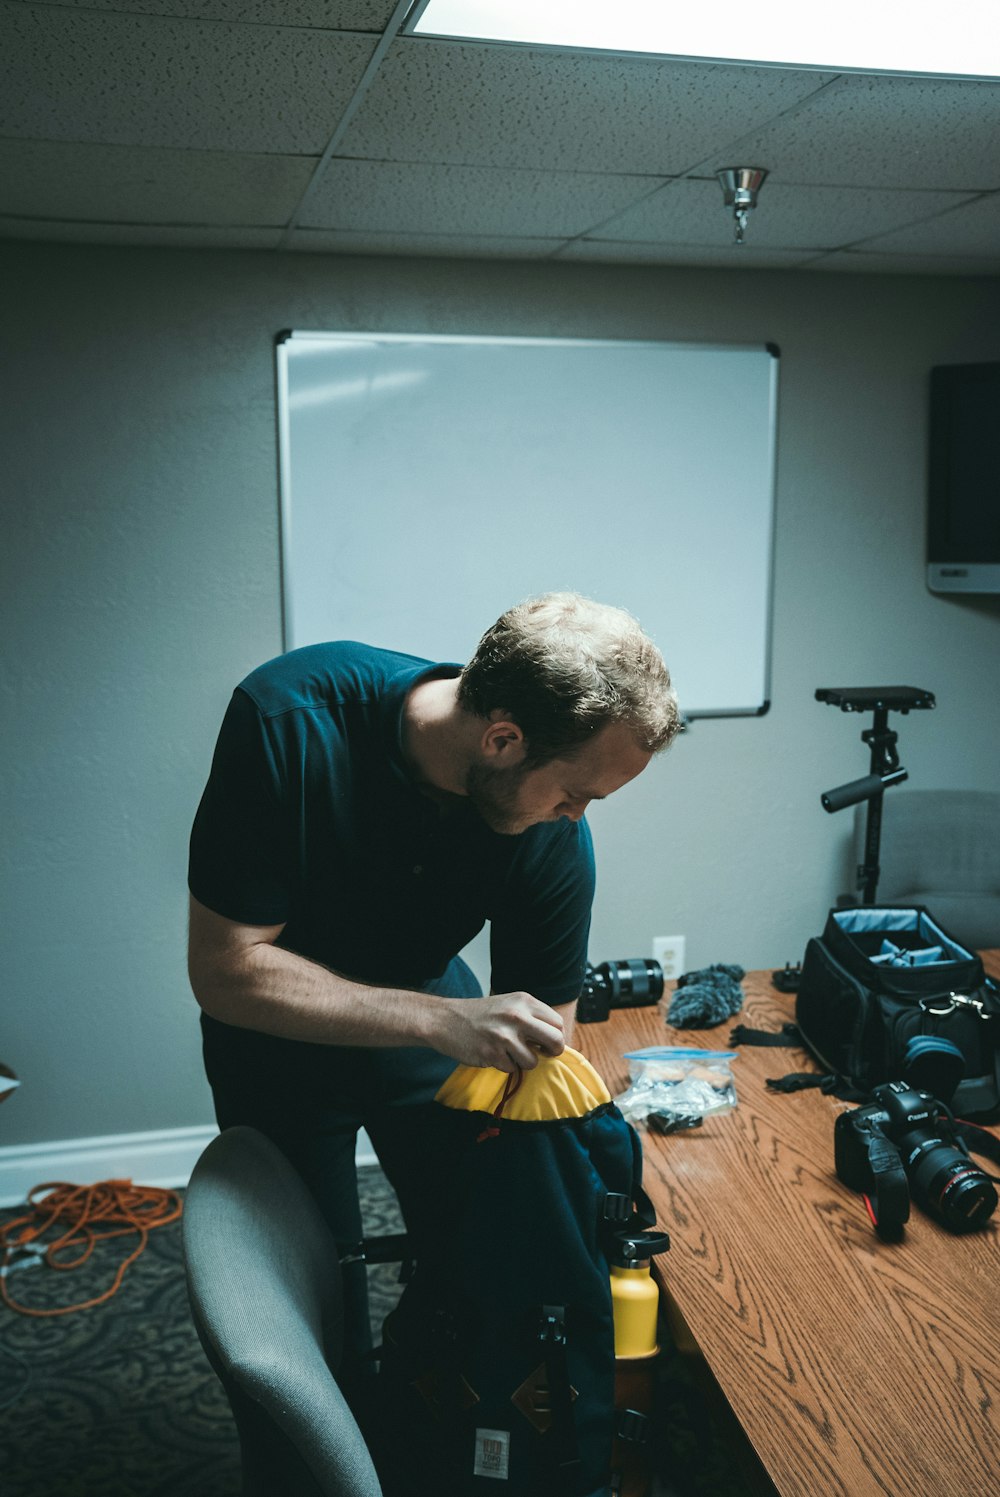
(239, 864)
(538, 936)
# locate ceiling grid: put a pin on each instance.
(315, 125)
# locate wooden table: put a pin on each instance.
(854, 1366)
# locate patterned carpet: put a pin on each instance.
(119, 1401)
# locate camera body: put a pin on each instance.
(905, 1144)
(633, 983)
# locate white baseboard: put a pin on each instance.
(164, 1158)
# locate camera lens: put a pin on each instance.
(634, 983)
(949, 1186)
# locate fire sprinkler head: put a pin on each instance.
(740, 186)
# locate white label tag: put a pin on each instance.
(492, 1453)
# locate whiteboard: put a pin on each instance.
(430, 482)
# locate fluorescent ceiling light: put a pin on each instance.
(960, 38)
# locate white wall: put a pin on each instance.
(140, 582)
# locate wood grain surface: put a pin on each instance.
(854, 1366)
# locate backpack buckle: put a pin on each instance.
(552, 1327)
(632, 1427)
(617, 1208)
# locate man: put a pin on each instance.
(366, 814)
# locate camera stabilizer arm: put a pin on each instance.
(885, 768)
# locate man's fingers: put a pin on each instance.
(521, 1057)
(533, 1038)
(548, 1033)
(510, 1031)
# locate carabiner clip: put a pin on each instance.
(955, 1000)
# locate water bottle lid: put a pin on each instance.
(634, 1249)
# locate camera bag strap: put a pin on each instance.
(789, 1037)
(980, 1141)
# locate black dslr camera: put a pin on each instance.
(634, 983)
(909, 1142)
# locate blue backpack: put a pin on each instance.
(498, 1364)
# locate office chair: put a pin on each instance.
(264, 1286)
(941, 848)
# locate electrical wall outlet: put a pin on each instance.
(669, 952)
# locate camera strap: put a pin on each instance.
(980, 1141)
(889, 1202)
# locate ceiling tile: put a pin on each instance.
(145, 80)
(888, 132)
(333, 15)
(53, 179)
(973, 229)
(511, 106)
(897, 264)
(415, 197)
(140, 234)
(463, 246)
(726, 257)
(199, 122)
(692, 212)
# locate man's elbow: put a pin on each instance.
(222, 961)
(208, 985)
(219, 981)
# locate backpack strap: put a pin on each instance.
(635, 1212)
(563, 1444)
(645, 1213)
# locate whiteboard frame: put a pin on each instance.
(288, 337)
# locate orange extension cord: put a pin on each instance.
(73, 1211)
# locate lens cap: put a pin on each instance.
(933, 1065)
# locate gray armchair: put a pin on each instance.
(941, 848)
(264, 1286)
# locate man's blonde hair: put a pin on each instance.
(564, 667)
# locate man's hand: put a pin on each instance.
(506, 1031)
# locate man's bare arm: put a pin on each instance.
(239, 976)
(567, 1012)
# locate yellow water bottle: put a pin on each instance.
(635, 1302)
(635, 1299)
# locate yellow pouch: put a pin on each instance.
(560, 1086)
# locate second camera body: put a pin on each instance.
(907, 1143)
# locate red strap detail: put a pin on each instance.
(511, 1085)
(514, 1080)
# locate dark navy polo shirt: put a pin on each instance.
(311, 819)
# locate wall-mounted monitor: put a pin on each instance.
(963, 514)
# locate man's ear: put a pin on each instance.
(503, 741)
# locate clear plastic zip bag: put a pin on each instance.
(675, 1087)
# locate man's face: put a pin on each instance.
(510, 798)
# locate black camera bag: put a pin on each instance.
(858, 1016)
